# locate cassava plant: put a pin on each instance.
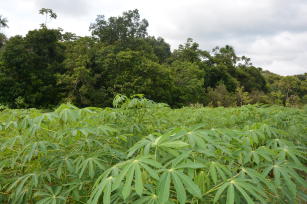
(142, 152)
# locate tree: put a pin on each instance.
(159, 48)
(220, 96)
(48, 13)
(79, 78)
(121, 28)
(130, 72)
(242, 96)
(3, 39)
(190, 52)
(221, 67)
(227, 57)
(95, 73)
(188, 80)
(260, 97)
(29, 67)
(287, 86)
(251, 78)
(3, 22)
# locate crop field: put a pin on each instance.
(141, 152)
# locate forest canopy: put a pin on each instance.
(47, 67)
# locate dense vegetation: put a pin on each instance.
(140, 151)
(48, 67)
(144, 152)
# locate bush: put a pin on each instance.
(220, 96)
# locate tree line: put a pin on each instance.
(47, 67)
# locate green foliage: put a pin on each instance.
(27, 76)
(48, 67)
(121, 28)
(188, 80)
(3, 22)
(48, 13)
(220, 96)
(288, 90)
(144, 152)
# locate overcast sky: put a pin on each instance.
(273, 33)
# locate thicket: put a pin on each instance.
(48, 67)
(145, 152)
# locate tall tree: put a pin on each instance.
(48, 13)
(3, 24)
(120, 28)
(187, 83)
(29, 65)
(190, 52)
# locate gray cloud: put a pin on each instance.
(73, 8)
(272, 32)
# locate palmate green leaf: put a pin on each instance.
(128, 172)
(68, 113)
(190, 164)
(51, 196)
(123, 173)
(107, 193)
(21, 181)
(72, 189)
(256, 177)
(202, 180)
(277, 143)
(150, 171)
(92, 164)
(23, 185)
(13, 141)
(147, 200)
(63, 165)
(240, 187)
(145, 144)
(270, 132)
(254, 190)
(180, 190)
(256, 156)
(129, 177)
(10, 125)
(119, 100)
(195, 139)
(174, 144)
(164, 143)
(254, 137)
(190, 185)
(133, 170)
(162, 140)
(181, 183)
(164, 187)
(230, 195)
(217, 170)
(138, 181)
(285, 173)
(291, 153)
(220, 191)
(105, 186)
(245, 195)
(149, 196)
(184, 156)
(33, 150)
(88, 144)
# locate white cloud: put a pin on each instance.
(271, 32)
(284, 53)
